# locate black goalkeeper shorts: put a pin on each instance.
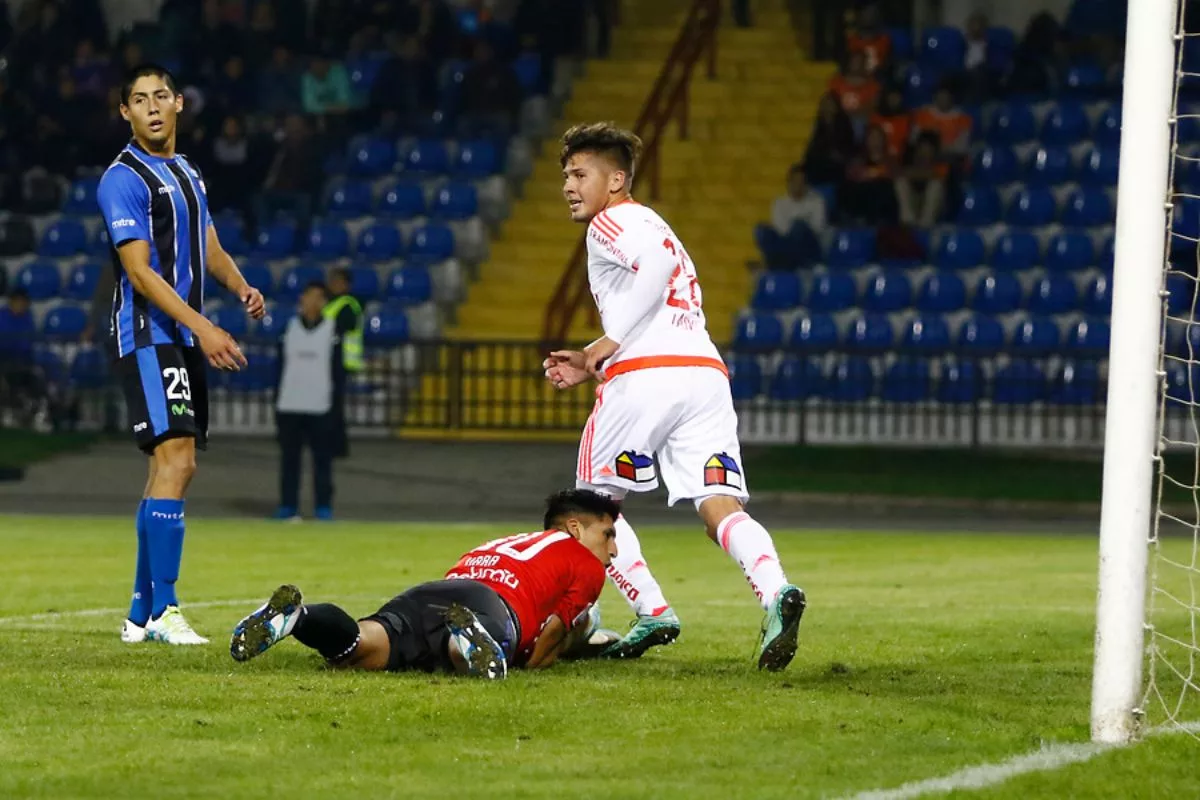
(415, 622)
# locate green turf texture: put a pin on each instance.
(22, 448)
(920, 655)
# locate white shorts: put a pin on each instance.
(682, 415)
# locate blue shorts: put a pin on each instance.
(166, 393)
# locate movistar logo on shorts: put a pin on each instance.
(181, 409)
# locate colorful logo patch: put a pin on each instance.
(722, 470)
(635, 467)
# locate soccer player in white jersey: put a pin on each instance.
(664, 391)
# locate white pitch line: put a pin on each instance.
(33, 620)
(1046, 759)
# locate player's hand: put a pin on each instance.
(252, 299)
(563, 375)
(220, 349)
(596, 354)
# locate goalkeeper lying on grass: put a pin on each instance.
(520, 601)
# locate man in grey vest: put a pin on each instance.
(311, 376)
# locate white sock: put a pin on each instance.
(632, 577)
(749, 544)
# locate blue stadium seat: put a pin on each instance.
(432, 242)
(1100, 167)
(477, 159)
(1107, 132)
(1032, 207)
(1097, 298)
(981, 333)
(745, 377)
(528, 67)
(364, 282)
(1066, 124)
(853, 380)
(327, 240)
(941, 292)
(919, 82)
(1001, 46)
(1084, 80)
(1054, 294)
(1035, 335)
(231, 230)
(82, 281)
(980, 206)
(39, 279)
(232, 318)
(1076, 383)
(1088, 207)
(65, 322)
(887, 291)
(258, 376)
(832, 291)
(902, 44)
(81, 197)
(1012, 123)
(1107, 247)
(363, 72)
(456, 201)
(777, 291)
(350, 199)
(258, 275)
(436, 124)
(1181, 293)
(798, 379)
(99, 245)
(943, 48)
(759, 331)
(1185, 222)
(275, 240)
(275, 321)
(1048, 165)
(1182, 383)
(994, 165)
(870, 332)
(386, 328)
(1018, 383)
(816, 331)
(89, 368)
(65, 237)
(851, 247)
(997, 294)
(402, 200)
(958, 382)
(427, 157)
(1015, 251)
(296, 279)
(906, 381)
(380, 242)
(371, 156)
(1069, 251)
(927, 332)
(50, 363)
(1090, 335)
(959, 249)
(409, 286)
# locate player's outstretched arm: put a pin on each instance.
(222, 267)
(549, 644)
(655, 265)
(220, 348)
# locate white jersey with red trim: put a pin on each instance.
(621, 240)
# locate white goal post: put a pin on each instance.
(1132, 442)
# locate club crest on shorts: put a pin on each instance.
(722, 470)
(635, 467)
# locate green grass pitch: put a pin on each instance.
(920, 655)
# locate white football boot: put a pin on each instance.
(132, 633)
(172, 628)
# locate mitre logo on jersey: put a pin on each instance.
(635, 467)
(722, 470)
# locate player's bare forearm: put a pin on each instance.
(549, 644)
(135, 259)
(222, 267)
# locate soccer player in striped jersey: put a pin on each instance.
(155, 205)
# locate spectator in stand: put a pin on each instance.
(433, 23)
(407, 82)
(262, 34)
(856, 89)
(17, 330)
(325, 88)
(895, 121)
(295, 174)
(232, 173)
(90, 70)
(981, 74)
(1033, 64)
(797, 220)
(279, 84)
(491, 96)
(232, 92)
(870, 40)
(869, 194)
(948, 122)
(921, 184)
(832, 143)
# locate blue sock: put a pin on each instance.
(143, 588)
(164, 533)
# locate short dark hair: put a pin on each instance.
(317, 285)
(142, 71)
(19, 294)
(796, 169)
(341, 272)
(622, 147)
(578, 501)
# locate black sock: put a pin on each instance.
(327, 629)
